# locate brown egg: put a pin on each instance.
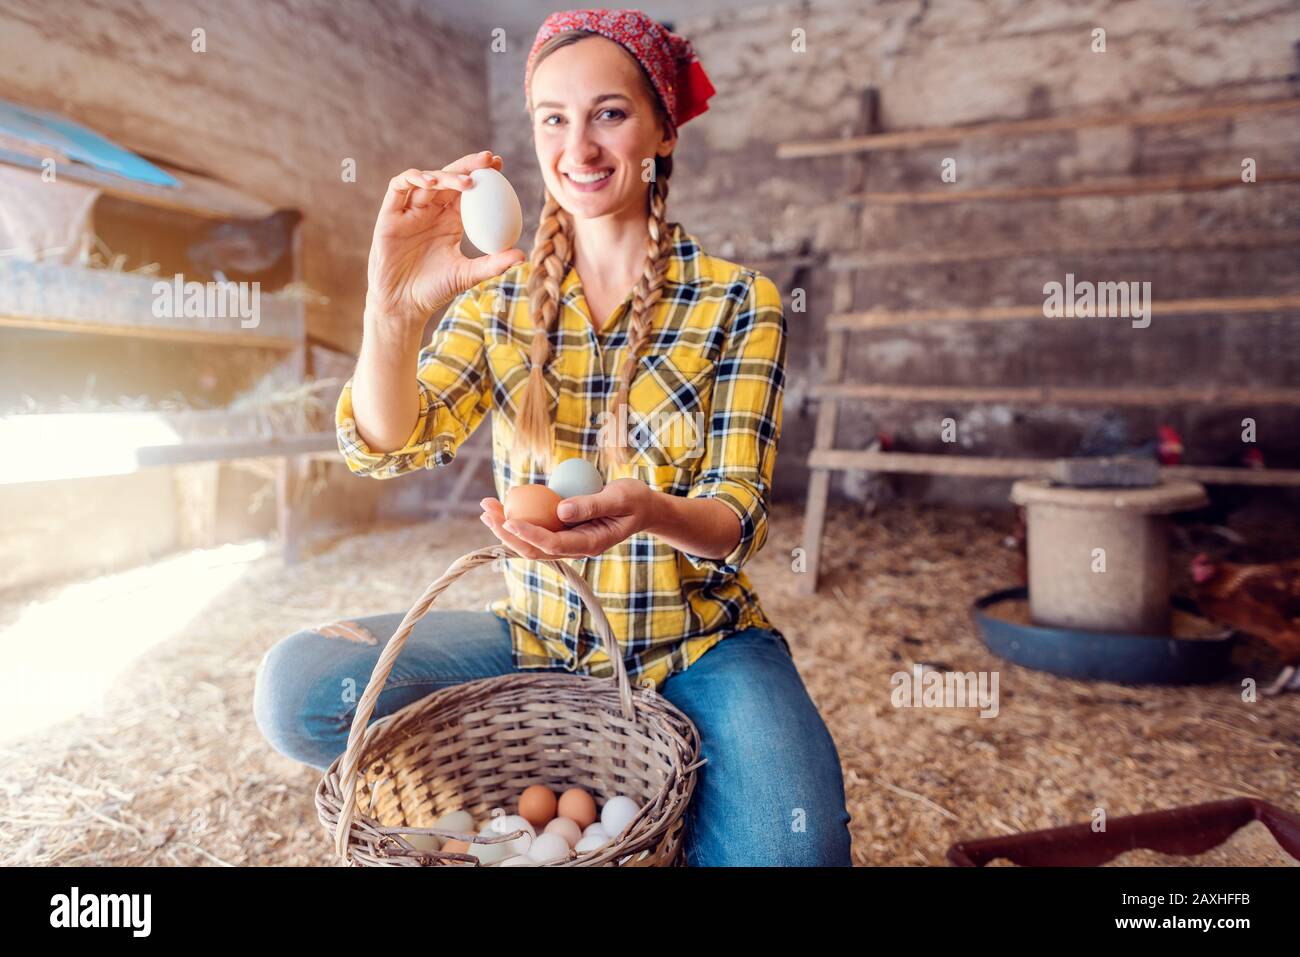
(453, 846)
(577, 805)
(537, 805)
(534, 504)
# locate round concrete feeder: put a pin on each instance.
(1066, 526)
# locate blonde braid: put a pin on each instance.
(551, 257)
(645, 296)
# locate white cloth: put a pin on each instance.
(44, 221)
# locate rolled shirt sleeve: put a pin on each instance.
(745, 420)
(451, 376)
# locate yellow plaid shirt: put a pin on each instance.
(705, 411)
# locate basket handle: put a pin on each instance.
(357, 736)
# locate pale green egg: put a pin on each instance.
(575, 477)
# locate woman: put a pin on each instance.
(675, 387)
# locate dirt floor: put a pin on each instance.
(174, 770)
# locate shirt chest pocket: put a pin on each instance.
(669, 405)
(508, 363)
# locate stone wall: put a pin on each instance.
(945, 63)
(287, 91)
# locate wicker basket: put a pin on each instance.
(476, 746)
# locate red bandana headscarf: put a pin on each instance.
(669, 59)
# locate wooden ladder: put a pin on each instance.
(825, 458)
(814, 522)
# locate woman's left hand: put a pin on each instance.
(619, 510)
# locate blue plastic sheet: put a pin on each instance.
(78, 143)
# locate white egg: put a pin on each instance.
(521, 861)
(490, 212)
(565, 828)
(617, 814)
(592, 842)
(505, 823)
(492, 853)
(575, 477)
(548, 848)
(594, 829)
(459, 821)
(508, 823)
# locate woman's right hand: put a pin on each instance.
(416, 266)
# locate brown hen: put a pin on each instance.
(1260, 600)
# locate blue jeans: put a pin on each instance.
(771, 793)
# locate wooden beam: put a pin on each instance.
(1130, 186)
(814, 519)
(197, 195)
(197, 486)
(1063, 395)
(881, 318)
(918, 463)
(905, 139)
(195, 336)
(229, 450)
(106, 302)
(127, 458)
(979, 252)
(292, 472)
(974, 466)
(1212, 475)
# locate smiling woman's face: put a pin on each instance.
(592, 115)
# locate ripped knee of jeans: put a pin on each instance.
(347, 630)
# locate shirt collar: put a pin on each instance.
(683, 261)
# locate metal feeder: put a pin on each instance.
(1189, 830)
(1103, 656)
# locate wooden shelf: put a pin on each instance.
(324, 444)
(1063, 395)
(906, 139)
(122, 443)
(986, 251)
(974, 466)
(102, 301)
(883, 318)
(1132, 186)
